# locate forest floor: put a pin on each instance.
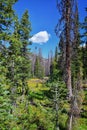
(39, 104)
(36, 84)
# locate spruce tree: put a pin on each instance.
(56, 54)
(25, 29)
(84, 48)
(66, 10)
(6, 21)
(69, 43)
(19, 68)
(76, 55)
(36, 67)
(5, 102)
(14, 61)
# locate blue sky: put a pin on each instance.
(44, 17)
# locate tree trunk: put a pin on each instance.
(68, 48)
(69, 127)
(73, 114)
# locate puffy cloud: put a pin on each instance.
(41, 37)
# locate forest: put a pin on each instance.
(38, 93)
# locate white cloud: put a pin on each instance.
(40, 37)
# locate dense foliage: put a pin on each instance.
(28, 99)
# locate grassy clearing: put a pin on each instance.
(36, 85)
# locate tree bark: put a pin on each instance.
(68, 47)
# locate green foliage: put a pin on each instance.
(32, 104)
(38, 68)
(5, 106)
(53, 71)
(6, 21)
(84, 46)
(40, 113)
(81, 124)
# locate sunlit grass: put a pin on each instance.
(36, 85)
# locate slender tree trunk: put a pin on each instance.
(56, 107)
(68, 48)
(69, 126)
(68, 60)
(68, 82)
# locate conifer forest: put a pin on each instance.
(38, 93)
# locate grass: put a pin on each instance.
(36, 85)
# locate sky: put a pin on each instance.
(44, 16)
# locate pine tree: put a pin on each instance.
(76, 55)
(25, 29)
(36, 67)
(39, 67)
(19, 68)
(14, 61)
(84, 48)
(6, 21)
(65, 8)
(54, 72)
(56, 54)
(41, 64)
(7, 17)
(5, 103)
(69, 28)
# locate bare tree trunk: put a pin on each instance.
(68, 48)
(69, 125)
(68, 61)
(68, 82)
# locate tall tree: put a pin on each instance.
(66, 9)
(56, 54)
(7, 17)
(5, 105)
(54, 72)
(68, 24)
(6, 20)
(36, 67)
(25, 29)
(13, 59)
(39, 65)
(84, 48)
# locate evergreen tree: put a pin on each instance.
(5, 103)
(66, 10)
(76, 54)
(14, 61)
(54, 72)
(69, 26)
(6, 21)
(7, 17)
(84, 48)
(25, 29)
(41, 64)
(56, 54)
(36, 67)
(19, 68)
